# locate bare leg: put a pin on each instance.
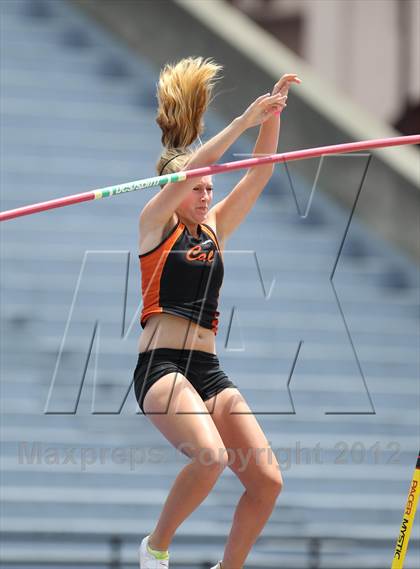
(251, 515)
(259, 472)
(191, 487)
(187, 424)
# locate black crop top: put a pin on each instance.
(183, 275)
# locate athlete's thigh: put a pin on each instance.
(176, 409)
(250, 455)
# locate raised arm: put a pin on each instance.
(232, 210)
(160, 208)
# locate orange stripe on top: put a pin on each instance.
(151, 266)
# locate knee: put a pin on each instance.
(277, 483)
(267, 486)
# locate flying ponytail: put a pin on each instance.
(184, 93)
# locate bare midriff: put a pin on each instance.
(169, 331)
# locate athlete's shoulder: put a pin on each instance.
(153, 240)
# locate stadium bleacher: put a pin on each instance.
(77, 113)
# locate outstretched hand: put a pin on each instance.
(264, 106)
(282, 87)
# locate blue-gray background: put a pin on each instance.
(77, 113)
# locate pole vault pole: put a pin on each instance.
(408, 519)
(208, 171)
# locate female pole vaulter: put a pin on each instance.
(178, 382)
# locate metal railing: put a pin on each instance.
(115, 542)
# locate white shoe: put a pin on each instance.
(218, 566)
(149, 561)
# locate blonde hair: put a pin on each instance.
(184, 93)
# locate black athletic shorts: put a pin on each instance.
(203, 371)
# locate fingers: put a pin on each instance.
(278, 108)
(290, 77)
(285, 81)
(267, 101)
(261, 97)
(270, 103)
(276, 98)
(277, 101)
(269, 97)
